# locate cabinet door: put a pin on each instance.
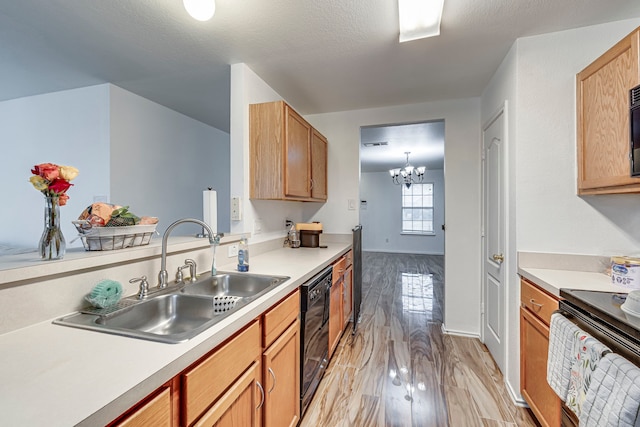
(335, 315)
(603, 120)
(318, 166)
(156, 412)
(534, 346)
(347, 291)
(282, 379)
(206, 382)
(241, 405)
(297, 155)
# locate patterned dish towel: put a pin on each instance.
(613, 400)
(586, 354)
(562, 334)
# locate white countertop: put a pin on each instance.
(554, 280)
(61, 376)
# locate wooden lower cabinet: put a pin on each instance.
(156, 412)
(534, 349)
(335, 316)
(347, 295)
(281, 373)
(207, 381)
(225, 388)
(241, 405)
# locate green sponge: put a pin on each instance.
(105, 293)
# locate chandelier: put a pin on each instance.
(408, 174)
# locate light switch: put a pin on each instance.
(351, 204)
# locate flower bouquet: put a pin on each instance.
(52, 181)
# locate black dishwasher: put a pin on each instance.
(314, 329)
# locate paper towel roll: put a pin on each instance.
(210, 209)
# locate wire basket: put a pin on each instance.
(112, 238)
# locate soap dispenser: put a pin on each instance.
(243, 255)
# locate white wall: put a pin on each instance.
(248, 88)
(161, 161)
(128, 149)
(383, 216)
(551, 217)
(462, 190)
(537, 78)
(69, 128)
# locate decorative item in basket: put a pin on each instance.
(105, 227)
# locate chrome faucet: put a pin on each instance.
(214, 239)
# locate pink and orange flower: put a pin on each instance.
(53, 180)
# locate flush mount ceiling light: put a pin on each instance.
(375, 144)
(408, 174)
(202, 10)
(419, 18)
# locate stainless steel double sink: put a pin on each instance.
(177, 314)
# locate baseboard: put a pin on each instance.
(516, 398)
(459, 333)
(390, 251)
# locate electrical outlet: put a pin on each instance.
(232, 250)
(257, 226)
(236, 209)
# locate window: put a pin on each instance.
(417, 209)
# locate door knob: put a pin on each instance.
(498, 258)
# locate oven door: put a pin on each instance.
(612, 337)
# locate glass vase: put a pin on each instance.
(52, 245)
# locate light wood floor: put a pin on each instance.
(399, 369)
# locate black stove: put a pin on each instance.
(601, 307)
(599, 314)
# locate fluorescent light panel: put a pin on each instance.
(419, 18)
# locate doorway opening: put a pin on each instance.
(402, 213)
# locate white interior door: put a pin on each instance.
(493, 253)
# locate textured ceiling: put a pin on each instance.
(424, 142)
(321, 56)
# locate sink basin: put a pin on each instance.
(243, 285)
(164, 315)
(178, 316)
(170, 318)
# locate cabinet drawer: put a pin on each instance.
(339, 268)
(349, 258)
(278, 318)
(210, 378)
(537, 301)
(156, 412)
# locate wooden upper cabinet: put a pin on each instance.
(288, 157)
(603, 120)
(318, 165)
(297, 154)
